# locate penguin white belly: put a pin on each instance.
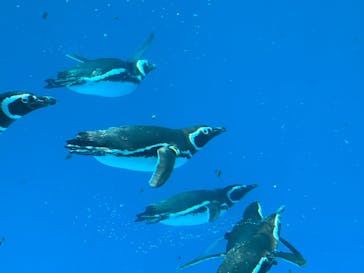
(188, 220)
(143, 164)
(104, 88)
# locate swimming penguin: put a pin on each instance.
(144, 148)
(106, 77)
(253, 245)
(15, 104)
(194, 207)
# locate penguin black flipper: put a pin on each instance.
(165, 164)
(77, 58)
(140, 52)
(294, 257)
(214, 210)
(201, 259)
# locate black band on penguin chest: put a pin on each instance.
(123, 77)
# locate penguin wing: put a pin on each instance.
(165, 164)
(294, 256)
(77, 58)
(201, 259)
(214, 210)
(140, 52)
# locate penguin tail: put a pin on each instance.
(150, 218)
(51, 83)
(139, 218)
(86, 143)
(64, 79)
(142, 217)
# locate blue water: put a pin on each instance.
(285, 78)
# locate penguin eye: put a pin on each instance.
(96, 72)
(25, 99)
(206, 130)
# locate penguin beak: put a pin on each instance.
(42, 101)
(151, 67)
(218, 130)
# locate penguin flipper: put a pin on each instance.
(77, 58)
(139, 53)
(214, 210)
(294, 256)
(165, 164)
(201, 259)
(213, 245)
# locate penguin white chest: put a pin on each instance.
(144, 164)
(105, 88)
(188, 220)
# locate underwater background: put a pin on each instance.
(285, 78)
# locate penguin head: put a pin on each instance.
(200, 135)
(235, 192)
(144, 67)
(253, 213)
(272, 225)
(16, 104)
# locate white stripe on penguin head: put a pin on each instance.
(192, 136)
(140, 66)
(5, 105)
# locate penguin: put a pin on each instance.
(144, 148)
(15, 104)
(194, 207)
(106, 77)
(253, 244)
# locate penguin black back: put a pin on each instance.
(136, 137)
